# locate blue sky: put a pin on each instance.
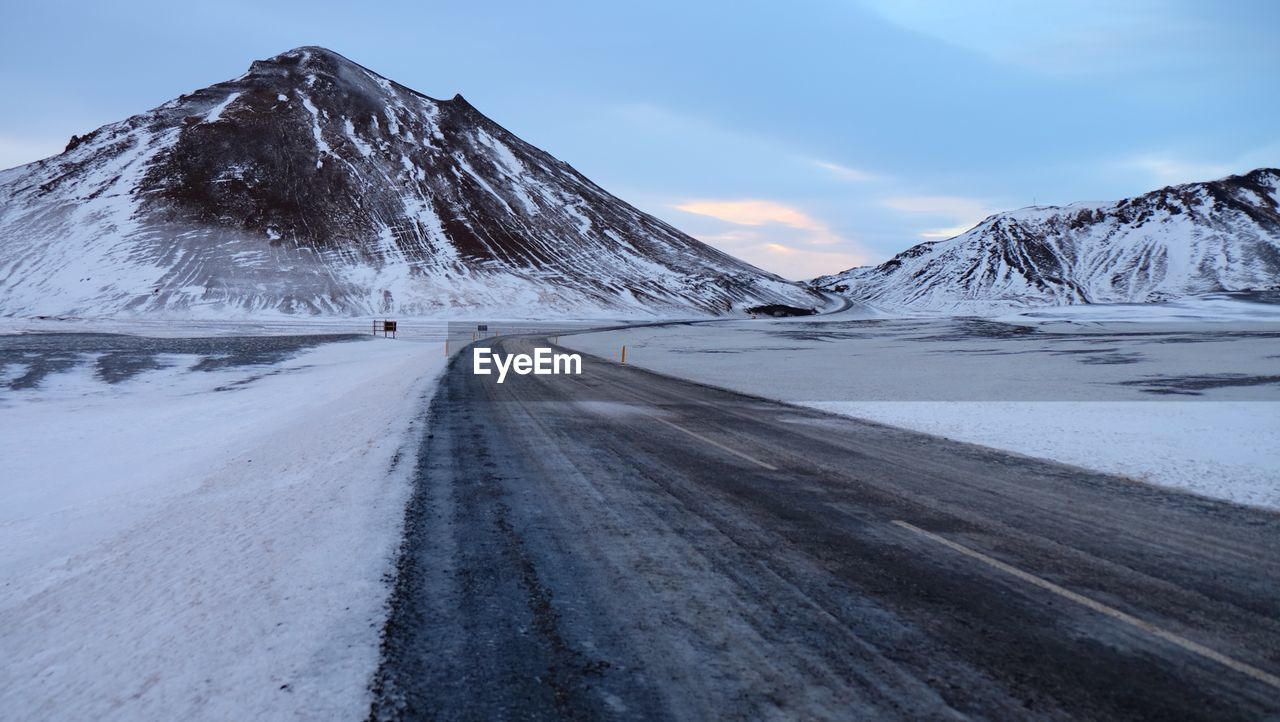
(805, 137)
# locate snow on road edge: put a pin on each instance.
(259, 590)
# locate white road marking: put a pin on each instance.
(716, 444)
(1101, 608)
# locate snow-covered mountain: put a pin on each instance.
(1223, 235)
(313, 185)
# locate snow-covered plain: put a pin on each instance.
(435, 329)
(1185, 395)
(1223, 449)
(205, 544)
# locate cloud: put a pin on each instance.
(1081, 37)
(795, 261)
(958, 213)
(942, 234)
(750, 212)
(776, 236)
(846, 173)
(759, 213)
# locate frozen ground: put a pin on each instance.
(1250, 307)
(1184, 395)
(417, 329)
(1224, 449)
(200, 528)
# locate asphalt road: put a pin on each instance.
(630, 546)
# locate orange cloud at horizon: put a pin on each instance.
(798, 263)
(755, 213)
(806, 247)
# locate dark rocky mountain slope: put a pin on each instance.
(313, 185)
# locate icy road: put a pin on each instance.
(623, 544)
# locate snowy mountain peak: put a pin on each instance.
(311, 184)
(308, 59)
(1221, 235)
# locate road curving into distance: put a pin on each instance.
(627, 545)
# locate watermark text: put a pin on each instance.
(542, 362)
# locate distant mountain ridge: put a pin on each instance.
(312, 185)
(1221, 235)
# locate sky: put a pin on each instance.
(806, 137)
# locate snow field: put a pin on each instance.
(1112, 389)
(1220, 449)
(168, 551)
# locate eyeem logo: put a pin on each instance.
(541, 363)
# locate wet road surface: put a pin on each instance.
(626, 545)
